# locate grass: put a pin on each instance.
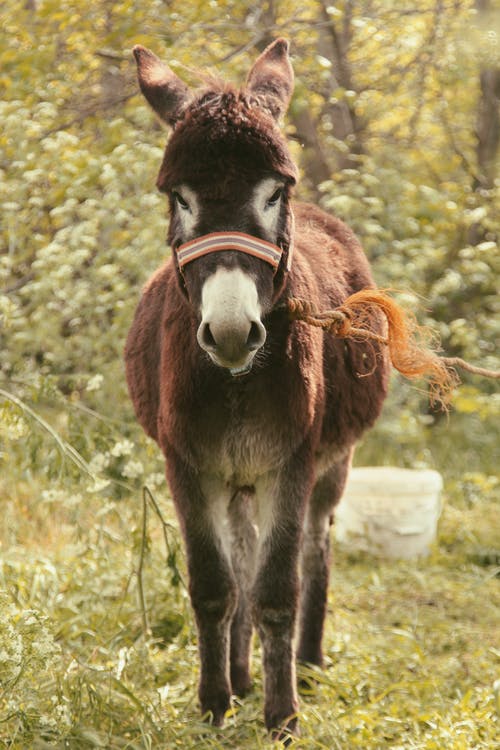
(412, 648)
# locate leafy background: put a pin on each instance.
(395, 125)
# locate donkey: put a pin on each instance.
(257, 415)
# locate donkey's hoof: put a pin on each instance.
(308, 676)
(241, 681)
(214, 718)
(288, 729)
(285, 736)
(214, 707)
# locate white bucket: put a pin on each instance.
(390, 512)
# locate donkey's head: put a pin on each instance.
(228, 174)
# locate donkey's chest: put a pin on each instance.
(238, 440)
(242, 456)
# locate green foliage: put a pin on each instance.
(83, 226)
(384, 124)
(411, 648)
(29, 659)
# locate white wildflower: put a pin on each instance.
(95, 382)
(122, 448)
(132, 469)
(99, 462)
(156, 479)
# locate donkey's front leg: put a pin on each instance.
(276, 589)
(213, 596)
(243, 549)
(212, 587)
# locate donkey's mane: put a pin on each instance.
(215, 92)
(221, 123)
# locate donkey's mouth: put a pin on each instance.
(236, 368)
(237, 372)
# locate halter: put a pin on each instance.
(239, 241)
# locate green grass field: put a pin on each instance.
(412, 648)
(394, 108)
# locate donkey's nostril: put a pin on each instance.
(256, 336)
(206, 338)
(231, 343)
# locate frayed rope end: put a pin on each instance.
(413, 349)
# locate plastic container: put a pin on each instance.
(390, 512)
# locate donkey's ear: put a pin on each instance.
(164, 91)
(271, 78)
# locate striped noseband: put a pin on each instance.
(239, 241)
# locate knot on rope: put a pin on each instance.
(338, 321)
(410, 349)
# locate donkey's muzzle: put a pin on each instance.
(231, 330)
(232, 343)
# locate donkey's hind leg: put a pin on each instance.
(243, 549)
(315, 562)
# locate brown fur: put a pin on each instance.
(280, 437)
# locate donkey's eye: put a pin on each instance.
(273, 200)
(180, 201)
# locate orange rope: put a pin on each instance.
(411, 354)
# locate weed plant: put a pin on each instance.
(412, 648)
